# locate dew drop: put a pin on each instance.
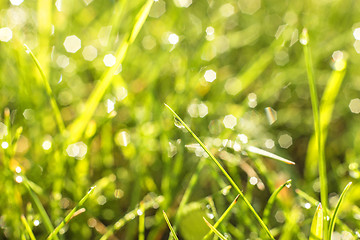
(139, 212)
(177, 123)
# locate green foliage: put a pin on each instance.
(90, 112)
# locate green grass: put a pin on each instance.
(68, 122)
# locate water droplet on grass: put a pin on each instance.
(139, 212)
(177, 123)
(36, 223)
(19, 179)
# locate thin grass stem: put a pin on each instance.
(170, 227)
(222, 237)
(71, 214)
(46, 84)
(130, 216)
(27, 227)
(222, 217)
(142, 221)
(252, 210)
(336, 211)
(48, 225)
(188, 191)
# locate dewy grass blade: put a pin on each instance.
(218, 222)
(77, 128)
(45, 81)
(271, 201)
(316, 231)
(170, 227)
(268, 154)
(27, 227)
(315, 107)
(336, 211)
(222, 237)
(71, 214)
(130, 216)
(252, 210)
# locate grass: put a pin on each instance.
(304, 39)
(68, 122)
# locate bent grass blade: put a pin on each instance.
(252, 210)
(271, 201)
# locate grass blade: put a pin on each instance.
(318, 135)
(142, 221)
(222, 237)
(45, 81)
(314, 202)
(188, 191)
(252, 210)
(71, 214)
(326, 109)
(336, 211)
(129, 216)
(48, 225)
(27, 227)
(44, 19)
(268, 154)
(271, 201)
(316, 231)
(222, 217)
(170, 227)
(253, 70)
(77, 128)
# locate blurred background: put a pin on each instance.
(233, 70)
